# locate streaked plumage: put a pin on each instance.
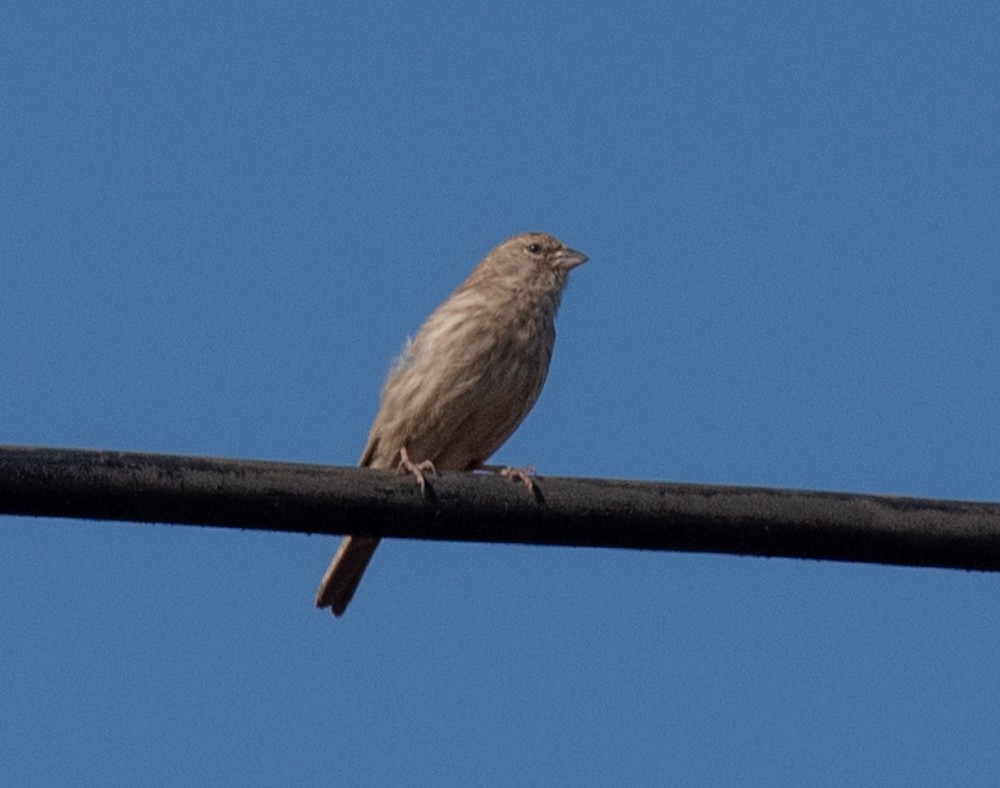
(466, 380)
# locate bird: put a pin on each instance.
(464, 382)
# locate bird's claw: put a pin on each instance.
(522, 474)
(406, 465)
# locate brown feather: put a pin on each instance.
(466, 380)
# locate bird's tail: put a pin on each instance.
(345, 572)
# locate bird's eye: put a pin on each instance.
(535, 248)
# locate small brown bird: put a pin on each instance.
(465, 382)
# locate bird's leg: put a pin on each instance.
(406, 465)
(522, 475)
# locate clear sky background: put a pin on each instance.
(218, 223)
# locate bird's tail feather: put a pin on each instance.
(345, 572)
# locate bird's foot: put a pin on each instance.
(523, 474)
(418, 469)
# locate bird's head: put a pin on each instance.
(533, 260)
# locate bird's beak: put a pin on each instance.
(567, 259)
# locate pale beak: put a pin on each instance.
(567, 259)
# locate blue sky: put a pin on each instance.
(220, 221)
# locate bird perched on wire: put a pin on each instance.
(465, 382)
